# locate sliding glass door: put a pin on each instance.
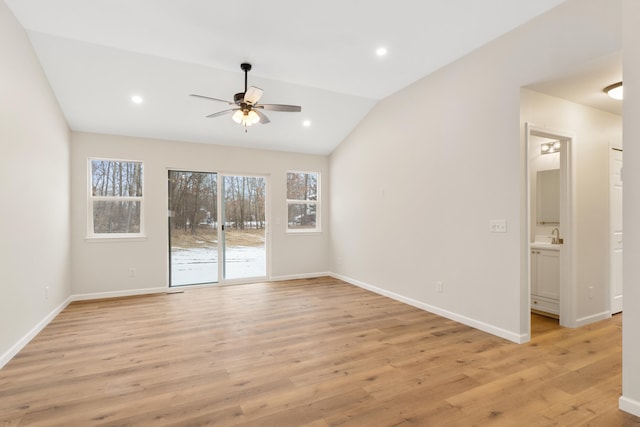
(203, 249)
(193, 228)
(244, 231)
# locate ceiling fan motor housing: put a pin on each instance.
(238, 98)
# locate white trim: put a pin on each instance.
(485, 327)
(629, 405)
(115, 237)
(301, 276)
(299, 231)
(615, 301)
(22, 342)
(172, 289)
(592, 318)
(117, 294)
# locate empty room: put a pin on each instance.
(340, 213)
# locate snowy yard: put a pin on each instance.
(190, 266)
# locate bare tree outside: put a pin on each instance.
(302, 200)
(244, 202)
(116, 193)
(193, 204)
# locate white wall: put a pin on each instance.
(631, 210)
(595, 131)
(426, 170)
(34, 189)
(102, 267)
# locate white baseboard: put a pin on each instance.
(299, 276)
(117, 294)
(593, 318)
(631, 406)
(485, 327)
(9, 354)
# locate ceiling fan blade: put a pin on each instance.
(222, 113)
(263, 118)
(280, 107)
(210, 98)
(253, 94)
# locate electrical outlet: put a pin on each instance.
(498, 225)
(439, 287)
(132, 272)
(46, 292)
(590, 292)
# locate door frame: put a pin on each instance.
(615, 302)
(568, 263)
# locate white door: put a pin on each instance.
(615, 245)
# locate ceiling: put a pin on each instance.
(584, 84)
(320, 55)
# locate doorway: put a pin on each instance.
(550, 210)
(217, 228)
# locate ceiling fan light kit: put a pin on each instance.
(614, 91)
(245, 119)
(247, 111)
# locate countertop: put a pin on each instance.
(546, 246)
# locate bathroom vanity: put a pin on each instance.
(545, 279)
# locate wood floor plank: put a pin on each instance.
(311, 352)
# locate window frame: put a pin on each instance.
(91, 234)
(317, 203)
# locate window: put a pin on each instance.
(115, 198)
(303, 200)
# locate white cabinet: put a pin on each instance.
(545, 281)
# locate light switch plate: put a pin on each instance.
(498, 225)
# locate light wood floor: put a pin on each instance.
(314, 352)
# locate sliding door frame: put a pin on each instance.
(222, 280)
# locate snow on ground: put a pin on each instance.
(190, 266)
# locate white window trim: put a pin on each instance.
(318, 228)
(91, 198)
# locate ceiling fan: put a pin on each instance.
(247, 111)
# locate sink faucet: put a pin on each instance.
(556, 236)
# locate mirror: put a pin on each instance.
(549, 197)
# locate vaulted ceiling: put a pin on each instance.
(320, 55)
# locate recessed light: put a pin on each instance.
(306, 123)
(381, 51)
(136, 99)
